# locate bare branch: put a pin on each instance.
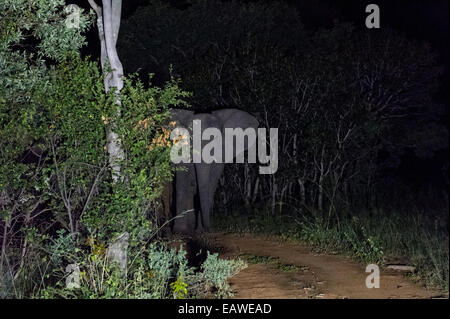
(96, 7)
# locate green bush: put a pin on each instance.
(154, 271)
(216, 272)
(54, 168)
(59, 205)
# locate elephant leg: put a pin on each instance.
(214, 176)
(202, 172)
(207, 178)
(185, 189)
(163, 213)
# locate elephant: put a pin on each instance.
(199, 180)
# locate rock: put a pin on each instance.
(73, 278)
(401, 267)
(117, 251)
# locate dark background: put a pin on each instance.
(423, 21)
(418, 19)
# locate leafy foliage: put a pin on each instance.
(154, 271)
(33, 33)
(216, 271)
(57, 176)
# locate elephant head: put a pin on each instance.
(202, 177)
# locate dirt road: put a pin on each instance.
(286, 270)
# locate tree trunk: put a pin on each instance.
(108, 23)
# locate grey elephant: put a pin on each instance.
(200, 179)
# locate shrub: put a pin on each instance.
(56, 176)
(216, 272)
(154, 271)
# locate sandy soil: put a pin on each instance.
(292, 271)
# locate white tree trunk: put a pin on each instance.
(108, 23)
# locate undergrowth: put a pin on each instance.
(373, 237)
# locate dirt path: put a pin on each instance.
(286, 270)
